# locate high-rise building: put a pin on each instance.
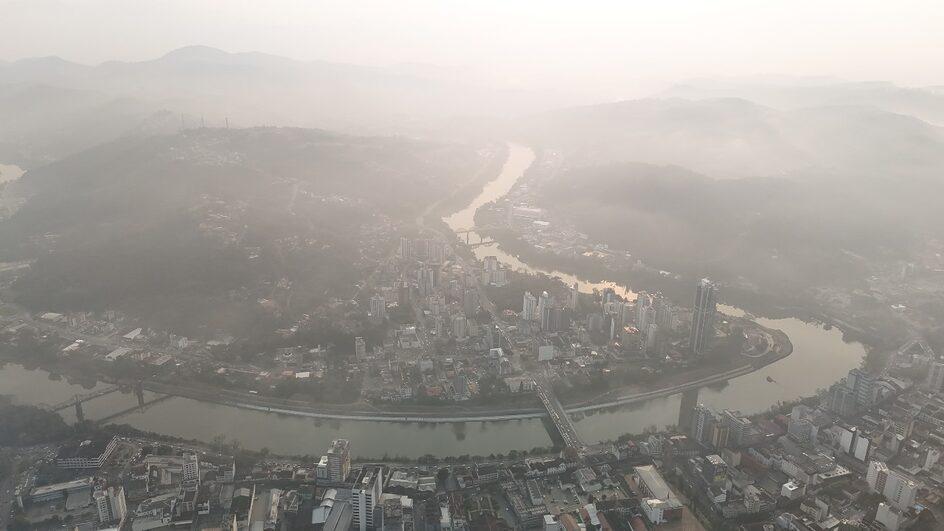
(555, 320)
(546, 318)
(406, 248)
(339, 459)
(897, 488)
(935, 380)
(421, 249)
(404, 292)
(738, 425)
(574, 296)
(529, 307)
(702, 420)
(624, 312)
(365, 497)
(720, 435)
(437, 252)
(703, 317)
(643, 303)
(686, 416)
(470, 301)
(491, 263)
(460, 327)
(841, 400)
(544, 303)
(931, 459)
(191, 467)
(652, 334)
(360, 348)
(665, 314)
(608, 295)
(111, 504)
(864, 386)
(426, 280)
(708, 428)
(378, 309)
(499, 277)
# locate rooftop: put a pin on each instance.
(67, 485)
(86, 449)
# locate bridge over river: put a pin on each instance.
(558, 415)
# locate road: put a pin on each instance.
(558, 415)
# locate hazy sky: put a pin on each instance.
(570, 43)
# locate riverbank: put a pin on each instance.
(590, 271)
(617, 412)
(434, 414)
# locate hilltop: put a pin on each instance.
(192, 229)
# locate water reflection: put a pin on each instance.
(813, 345)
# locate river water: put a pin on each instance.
(820, 357)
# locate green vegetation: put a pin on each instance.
(215, 229)
(509, 296)
(22, 425)
(778, 233)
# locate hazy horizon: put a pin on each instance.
(453, 266)
(603, 51)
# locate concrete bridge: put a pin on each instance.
(77, 401)
(478, 233)
(558, 415)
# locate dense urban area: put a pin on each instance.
(431, 332)
(245, 292)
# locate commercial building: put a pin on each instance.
(529, 307)
(111, 504)
(935, 379)
(191, 467)
(659, 503)
(703, 317)
(543, 310)
(339, 460)
(90, 453)
(864, 387)
(853, 443)
(897, 489)
(365, 497)
(46, 493)
(740, 427)
(378, 309)
(334, 513)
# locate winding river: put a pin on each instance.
(820, 357)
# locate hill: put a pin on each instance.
(191, 230)
(735, 138)
(41, 123)
(925, 103)
(199, 85)
(771, 232)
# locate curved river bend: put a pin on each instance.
(820, 357)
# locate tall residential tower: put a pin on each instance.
(703, 316)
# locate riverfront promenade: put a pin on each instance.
(300, 409)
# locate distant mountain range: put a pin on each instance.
(43, 123)
(50, 108)
(735, 138)
(779, 181)
(199, 85)
(925, 103)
